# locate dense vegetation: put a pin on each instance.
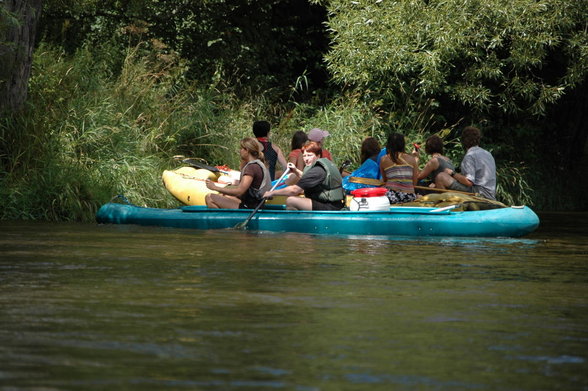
(118, 88)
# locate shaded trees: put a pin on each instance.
(18, 22)
(251, 44)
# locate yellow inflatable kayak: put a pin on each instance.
(187, 184)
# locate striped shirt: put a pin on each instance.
(398, 176)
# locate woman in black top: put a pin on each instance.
(255, 180)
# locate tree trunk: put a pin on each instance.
(18, 25)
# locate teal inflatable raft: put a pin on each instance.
(397, 221)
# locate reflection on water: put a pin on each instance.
(89, 307)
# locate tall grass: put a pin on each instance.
(89, 134)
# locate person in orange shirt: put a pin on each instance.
(298, 140)
(317, 135)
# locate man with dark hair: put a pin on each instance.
(478, 169)
(272, 153)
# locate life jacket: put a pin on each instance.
(331, 189)
(266, 182)
(270, 155)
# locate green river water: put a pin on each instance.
(93, 307)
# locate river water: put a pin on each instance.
(93, 307)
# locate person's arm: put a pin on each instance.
(235, 191)
(292, 190)
(415, 173)
(292, 158)
(300, 162)
(312, 178)
(459, 177)
(431, 166)
(383, 174)
(413, 162)
(467, 167)
(295, 176)
(281, 158)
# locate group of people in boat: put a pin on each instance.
(312, 172)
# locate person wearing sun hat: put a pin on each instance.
(318, 135)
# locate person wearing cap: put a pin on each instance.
(272, 153)
(318, 135)
(320, 182)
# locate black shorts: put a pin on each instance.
(335, 205)
(250, 205)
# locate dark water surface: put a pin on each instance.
(89, 307)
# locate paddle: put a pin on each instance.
(197, 164)
(377, 182)
(442, 190)
(244, 223)
(445, 208)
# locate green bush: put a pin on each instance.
(89, 134)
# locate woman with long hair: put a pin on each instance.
(298, 140)
(399, 170)
(369, 171)
(370, 148)
(255, 180)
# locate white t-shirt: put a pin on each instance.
(479, 167)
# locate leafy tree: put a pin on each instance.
(18, 22)
(491, 57)
(255, 44)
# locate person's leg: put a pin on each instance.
(443, 180)
(317, 205)
(298, 203)
(209, 201)
(460, 187)
(223, 202)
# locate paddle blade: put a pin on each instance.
(241, 226)
(197, 164)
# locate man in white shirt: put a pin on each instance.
(478, 169)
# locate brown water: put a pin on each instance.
(89, 307)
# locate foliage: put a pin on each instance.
(252, 43)
(118, 88)
(88, 136)
(515, 56)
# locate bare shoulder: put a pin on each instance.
(410, 159)
(433, 163)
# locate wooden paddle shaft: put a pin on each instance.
(377, 182)
(442, 190)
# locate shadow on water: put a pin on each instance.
(90, 307)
